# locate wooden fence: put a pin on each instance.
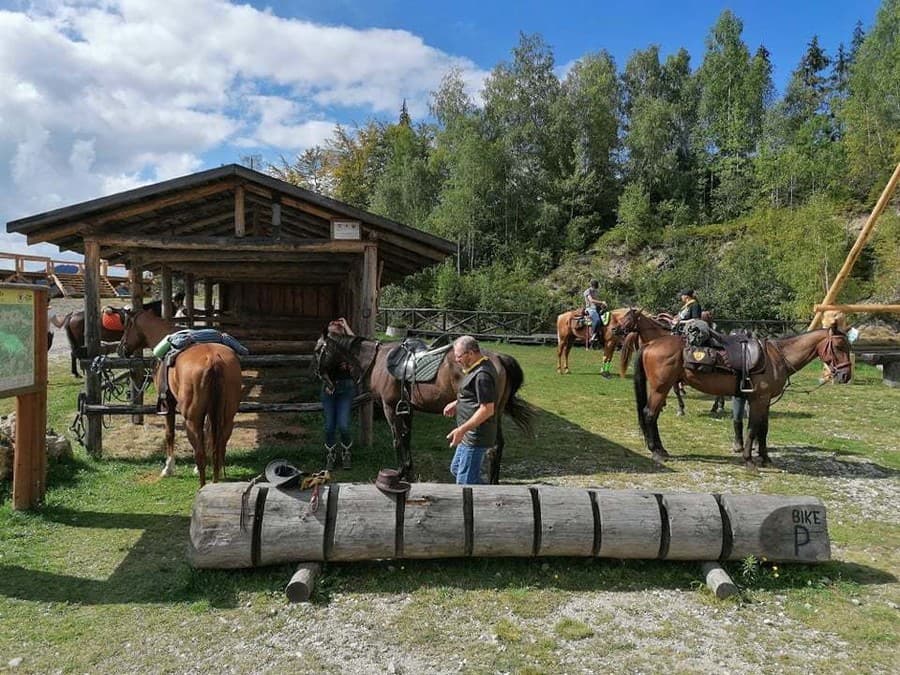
(429, 321)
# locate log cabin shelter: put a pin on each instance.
(274, 261)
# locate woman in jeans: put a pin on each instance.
(337, 404)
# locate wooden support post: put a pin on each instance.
(368, 313)
(240, 228)
(718, 580)
(207, 302)
(94, 437)
(301, 585)
(861, 240)
(189, 298)
(165, 292)
(137, 304)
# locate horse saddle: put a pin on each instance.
(739, 354)
(580, 318)
(414, 361)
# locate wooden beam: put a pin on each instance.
(94, 436)
(861, 240)
(859, 309)
(220, 244)
(239, 226)
(189, 298)
(165, 291)
(164, 202)
(58, 232)
(369, 307)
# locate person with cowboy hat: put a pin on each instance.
(337, 405)
(691, 308)
(476, 424)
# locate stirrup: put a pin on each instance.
(346, 455)
(402, 407)
(747, 386)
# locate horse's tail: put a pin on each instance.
(213, 381)
(628, 346)
(522, 413)
(640, 389)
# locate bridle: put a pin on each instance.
(127, 322)
(331, 348)
(830, 355)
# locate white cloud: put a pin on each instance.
(98, 96)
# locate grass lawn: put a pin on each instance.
(96, 580)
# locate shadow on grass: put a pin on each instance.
(567, 574)
(154, 570)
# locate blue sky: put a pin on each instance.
(98, 96)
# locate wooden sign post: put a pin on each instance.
(23, 374)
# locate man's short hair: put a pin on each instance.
(595, 283)
(466, 343)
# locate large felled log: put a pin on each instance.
(245, 525)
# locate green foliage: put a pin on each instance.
(871, 113)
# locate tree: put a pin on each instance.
(734, 92)
(310, 169)
(871, 113)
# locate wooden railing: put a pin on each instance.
(455, 321)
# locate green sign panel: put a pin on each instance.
(16, 338)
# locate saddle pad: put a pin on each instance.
(411, 366)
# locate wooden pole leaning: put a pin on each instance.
(861, 240)
(94, 436)
(236, 525)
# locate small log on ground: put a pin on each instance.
(301, 585)
(718, 580)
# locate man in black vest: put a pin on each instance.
(476, 423)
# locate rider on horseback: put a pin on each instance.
(595, 307)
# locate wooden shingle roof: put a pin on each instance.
(190, 224)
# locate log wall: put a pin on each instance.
(245, 525)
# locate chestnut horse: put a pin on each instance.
(636, 326)
(567, 330)
(205, 382)
(370, 361)
(73, 324)
(660, 364)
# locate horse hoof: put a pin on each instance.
(680, 413)
(605, 376)
(750, 466)
(737, 449)
(660, 457)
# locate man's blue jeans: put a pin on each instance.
(336, 407)
(466, 464)
(595, 319)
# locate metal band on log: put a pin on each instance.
(237, 525)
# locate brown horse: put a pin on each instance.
(73, 325)
(636, 327)
(205, 382)
(568, 329)
(660, 364)
(370, 359)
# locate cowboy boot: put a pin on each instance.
(330, 457)
(346, 458)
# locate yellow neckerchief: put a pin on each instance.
(468, 370)
(688, 304)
